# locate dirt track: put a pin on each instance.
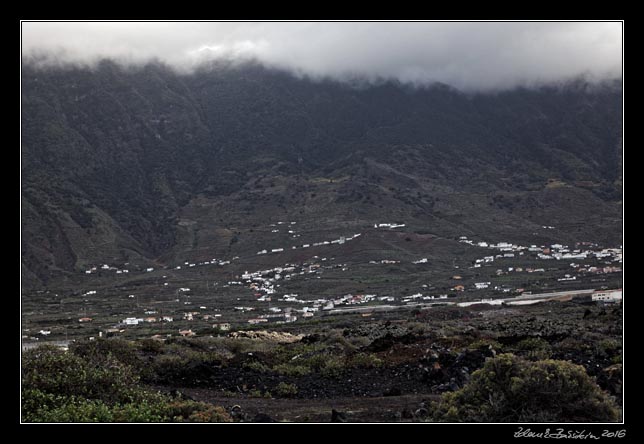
(356, 409)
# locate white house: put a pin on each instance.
(607, 296)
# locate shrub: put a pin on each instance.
(292, 370)
(485, 344)
(95, 352)
(143, 411)
(287, 353)
(257, 393)
(256, 366)
(511, 389)
(151, 346)
(333, 367)
(285, 390)
(609, 348)
(61, 386)
(168, 368)
(210, 413)
(54, 371)
(46, 407)
(534, 349)
(81, 410)
(365, 360)
(194, 411)
(359, 341)
(417, 328)
(34, 400)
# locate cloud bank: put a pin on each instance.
(466, 55)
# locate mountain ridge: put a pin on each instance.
(112, 157)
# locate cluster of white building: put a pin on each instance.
(413, 297)
(264, 284)
(150, 319)
(213, 261)
(546, 252)
(390, 226)
(292, 232)
(106, 267)
(341, 240)
(187, 264)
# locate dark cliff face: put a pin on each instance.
(110, 156)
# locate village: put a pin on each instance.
(274, 295)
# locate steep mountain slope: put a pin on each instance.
(144, 164)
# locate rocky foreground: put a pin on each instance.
(429, 365)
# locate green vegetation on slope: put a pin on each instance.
(61, 386)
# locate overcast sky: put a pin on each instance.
(468, 56)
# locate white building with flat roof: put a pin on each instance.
(609, 296)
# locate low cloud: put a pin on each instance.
(466, 55)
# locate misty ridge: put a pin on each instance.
(57, 62)
(470, 57)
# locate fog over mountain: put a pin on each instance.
(466, 55)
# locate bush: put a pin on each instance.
(96, 352)
(193, 411)
(54, 371)
(61, 386)
(609, 348)
(511, 389)
(170, 369)
(292, 370)
(46, 407)
(209, 413)
(151, 346)
(74, 410)
(333, 367)
(484, 344)
(534, 349)
(143, 411)
(285, 390)
(365, 360)
(256, 366)
(257, 393)
(35, 401)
